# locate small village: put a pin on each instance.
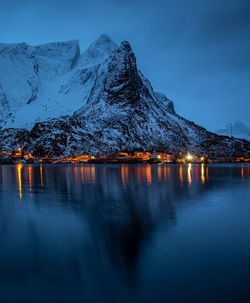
(19, 156)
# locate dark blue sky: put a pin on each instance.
(197, 52)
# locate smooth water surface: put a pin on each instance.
(125, 233)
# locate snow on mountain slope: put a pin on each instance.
(99, 102)
(168, 103)
(47, 81)
(98, 51)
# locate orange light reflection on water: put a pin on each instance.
(93, 174)
(19, 174)
(144, 174)
(165, 175)
(41, 174)
(30, 177)
(149, 174)
(124, 174)
(87, 174)
(4, 176)
(181, 174)
(159, 173)
(207, 173)
(203, 178)
(75, 174)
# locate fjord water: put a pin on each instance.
(125, 233)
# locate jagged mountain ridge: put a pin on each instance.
(110, 106)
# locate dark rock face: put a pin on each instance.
(124, 86)
(122, 113)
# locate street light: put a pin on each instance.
(189, 157)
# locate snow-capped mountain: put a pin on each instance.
(55, 101)
(47, 81)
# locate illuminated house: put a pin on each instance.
(142, 155)
(123, 155)
(17, 153)
(138, 155)
(242, 159)
(162, 156)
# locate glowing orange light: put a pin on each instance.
(189, 157)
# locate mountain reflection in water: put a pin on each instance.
(124, 233)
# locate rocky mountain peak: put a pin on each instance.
(104, 39)
(123, 83)
(98, 50)
(126, 46)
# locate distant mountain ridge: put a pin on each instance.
(55, 101)
(238, 130)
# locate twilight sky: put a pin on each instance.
(195, 51)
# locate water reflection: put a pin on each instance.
(181, 174)
(19, 174)
(203, 178)
(207, 174)
(163, 172)
(189, 170)
(196, 173)
(87, 174)
(41, 174)
(27, 176)
(93, 174)
(149, 174)
(86, 231)
(4, 176)
(75, 173)
(30, 177)
(124, 174)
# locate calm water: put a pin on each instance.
(145, 233)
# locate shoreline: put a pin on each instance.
(122, 163)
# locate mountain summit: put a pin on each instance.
(55, 101)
